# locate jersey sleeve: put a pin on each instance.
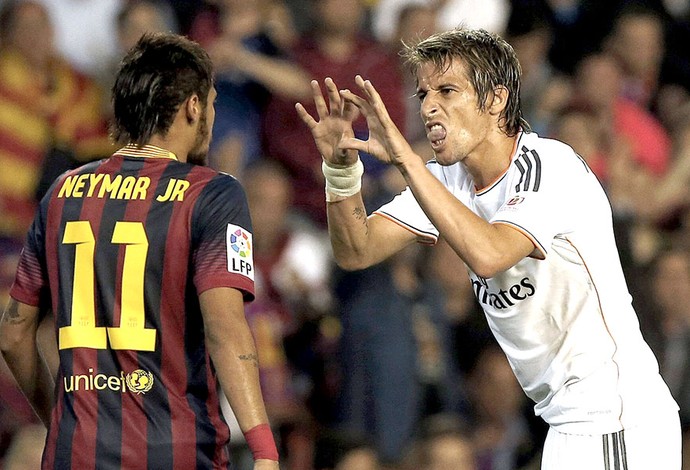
(543, 201)
(405, 211)
(30, 285)
(222, 238)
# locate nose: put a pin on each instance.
(428, 108)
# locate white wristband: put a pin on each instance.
(342, 181)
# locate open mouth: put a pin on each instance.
(436, 134)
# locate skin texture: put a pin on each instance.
(472, 138)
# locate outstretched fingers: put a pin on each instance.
(334, 101)
(374, 99)
(319, 101)
(305, 116)
(356, 101)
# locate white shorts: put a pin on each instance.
(655, 445)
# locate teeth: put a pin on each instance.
(436, 134)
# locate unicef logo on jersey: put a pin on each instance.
(139, 381)
(239, 241)
(239, 249)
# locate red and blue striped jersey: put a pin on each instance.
(120, 250)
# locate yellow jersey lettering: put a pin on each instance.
(174, 191)
(78, 190)
(117, 187)
(94, 179)
(67, 187)
(109, 186)
(126, 188)
(140, 187)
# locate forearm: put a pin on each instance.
(277, 75)
(19, 347)
(348, 227)
(232, 349)
(34, 380)
(358, 240)
(236, 360)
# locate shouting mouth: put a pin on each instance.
(436, 134)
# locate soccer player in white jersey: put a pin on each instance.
(534, 227)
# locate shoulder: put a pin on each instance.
(214, 183)
(550, 154)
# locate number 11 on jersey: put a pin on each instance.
(82, 332)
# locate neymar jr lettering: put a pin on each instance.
(102, 185)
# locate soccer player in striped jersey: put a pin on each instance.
(534, 227)
(145, 260)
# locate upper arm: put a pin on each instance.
(222, 309)
(516, 245)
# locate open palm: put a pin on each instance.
(334, 124)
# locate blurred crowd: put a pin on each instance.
(392, 367)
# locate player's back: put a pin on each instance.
(123, 240)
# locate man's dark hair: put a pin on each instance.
(489, 62)
(155, 77)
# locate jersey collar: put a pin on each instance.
(145, 151)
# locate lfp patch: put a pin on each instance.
(239, 243)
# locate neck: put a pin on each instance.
(490, 161)
(170, 145)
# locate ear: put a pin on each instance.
(499, 101)
(192, 107)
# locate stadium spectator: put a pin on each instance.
(637, 41)
(577, 27)
(415, 21)
(246, 40)
(502, 436)
(337, 45)
(544, 91)
(52, 114)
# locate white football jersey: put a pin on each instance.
(565, 322)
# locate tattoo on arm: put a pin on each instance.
(360, 213)
(12, 315)
(250, 357)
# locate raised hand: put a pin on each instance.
(385, 141)
(334, 125)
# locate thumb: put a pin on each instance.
(352, 143)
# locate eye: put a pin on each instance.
(420, 95)
(446, 90)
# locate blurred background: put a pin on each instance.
(393, 367)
